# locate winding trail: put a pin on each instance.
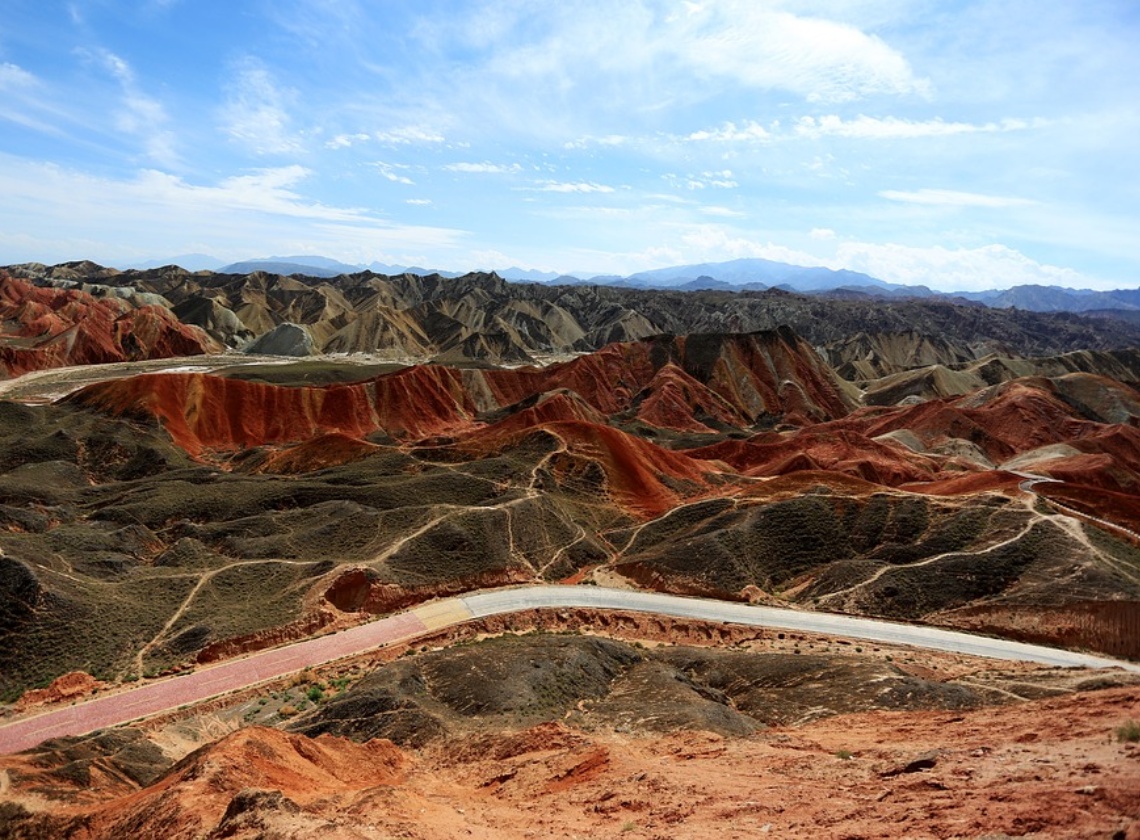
(169, 694)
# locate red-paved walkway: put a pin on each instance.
(171, 693)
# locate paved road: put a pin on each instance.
(164, 695)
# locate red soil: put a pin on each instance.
(1024, 416)
(1048, 768)
(990, 481)
(322, 452)
(836, 450)
(732, 379)
(203, 412)
(73, 686)
(47, 328)
(795, 484)
(1119, 508)
(642, 477)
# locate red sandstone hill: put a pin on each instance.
(686, 382)
(203, 412)
(642, 477)
(47, 327)
(220, 782)
(672, 383)
(692, 384)
(839, 450)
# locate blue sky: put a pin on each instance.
(963, 145)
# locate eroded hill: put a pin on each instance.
(482, 317)
(210, 514)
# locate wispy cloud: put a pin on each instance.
(748, 132)
(13, 76)
(418, 202)
(723, 212)
(409, 134)
(861, 127)
(573, 187)
(22, 102)
(256, 113)
(588, 75)
(890, 128)
(954, 198)
(402, 136)
(606, 140)
(391, 172)
(264, 204)
(140, 115)
(343, 141)
(484, 168)
(719, 179)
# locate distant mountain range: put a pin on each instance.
(733, 275)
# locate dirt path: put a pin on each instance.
(205, 578)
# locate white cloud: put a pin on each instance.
(610, 140)
(483, 168)
(574, 187)
(403, 136)
(758, 46)
(722, 179)
(749, 132)
(256, 112)
(343, 141)
(258, 212)
(712, 242)
(953, 269)
(861, 127)
(822, 233)
(14, 76)
(388, 171)
(418, 202)
(724, 212)
(410, 134)
(22, 101)
(953, 198)
(140, 115)
(890, 128)
(567, 70)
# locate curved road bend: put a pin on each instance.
(168, 694)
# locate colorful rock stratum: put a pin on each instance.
(925, 463)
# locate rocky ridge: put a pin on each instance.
(483, 317)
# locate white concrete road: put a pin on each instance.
(168, 694)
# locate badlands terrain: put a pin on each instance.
(197, 466)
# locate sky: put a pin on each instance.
(960, 145)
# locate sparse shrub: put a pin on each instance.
(845, 755)
(1128, 733)
(315, 694)
(287, 711)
